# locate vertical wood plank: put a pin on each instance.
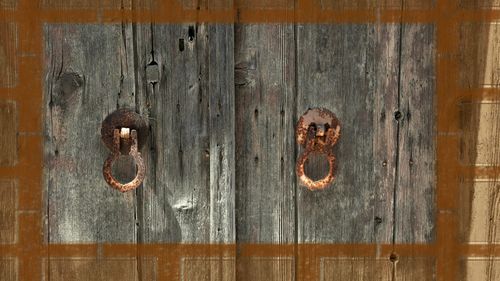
(189, 98)
(265, 79)
(416, 182)
(109, 269)
(8, 269)
(89, 72)
(8, 49)
(8, 133)
(265, 151)
(8, 211)
(338, 70)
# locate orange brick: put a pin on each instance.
(8, 269)
(8, 207)
(109, 269)
(209, 268)
(8, 133)
(8, 48)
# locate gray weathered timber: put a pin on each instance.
(187, 91)
(89, 72)
(416, 181)
(338, 68)
(265, 150)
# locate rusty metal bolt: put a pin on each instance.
(318, 130)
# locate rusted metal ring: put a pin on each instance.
(318, 184)
(134, 152)
(318, 130)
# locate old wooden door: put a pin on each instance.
(222, 86)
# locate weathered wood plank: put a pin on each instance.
(8, 269)
(368, 4)
(89, 72)
(189, 195)
(101, 4)
(8, 49)
(8, 211)
(109, 269)
(8, 133)
(338, 68)
(416, 176)
(487, 269)
(208, 268)
(265, 152)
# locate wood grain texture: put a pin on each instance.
(208, 268)
(8, 133)
(355, 269)
(9, 4)
(480, 4)
(265, 104)
(345, 68)
(8, 56)
(416, 176)
(8, 269)
(368, 4)
(101, 4)
(487, 269)
(99, 269)
(360, 269)
(89, 73)
(190, 197)
(480, 215)
(8, 211)
(479, 55)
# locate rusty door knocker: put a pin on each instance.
(124, 132)
(318, 130)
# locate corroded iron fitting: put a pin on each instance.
(119, 132)
(318, 130)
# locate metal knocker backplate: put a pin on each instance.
(318, 130)
(124, 132)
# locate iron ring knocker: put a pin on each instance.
(318, 130)
(124, 132)
(115, 154)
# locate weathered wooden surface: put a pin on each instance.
(265, 138)
(89, 73)
(8, 133)
(338, 69)
(415, 202)
(8, 208)
(222, 102)
(188, 96)
(110, 269)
